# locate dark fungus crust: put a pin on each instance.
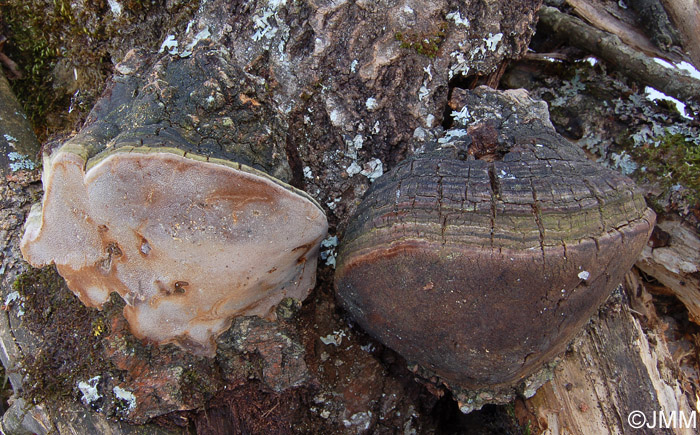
(481, 271)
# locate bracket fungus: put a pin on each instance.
(186, 231)
(481, 258)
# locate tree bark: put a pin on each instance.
(16, 135)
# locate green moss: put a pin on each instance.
(54, 40)
(69, 350)
(36, 60)
(36, 277)
(40, 32)
(671, 160)
(425, 44)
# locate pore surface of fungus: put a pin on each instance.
(188, 243)
(482, 270)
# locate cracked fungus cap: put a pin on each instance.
(482, 271)
(188, 242)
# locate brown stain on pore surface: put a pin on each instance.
(243, 193)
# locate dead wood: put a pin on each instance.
(686, 16)
(601, 18)
(654, 20)
(12, 68)
(675, 263)
(611, 370)
(620, 56)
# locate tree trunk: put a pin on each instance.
(686, 15)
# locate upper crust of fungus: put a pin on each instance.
(187, 241)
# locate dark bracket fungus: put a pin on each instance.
(186, 224)
(480, 258)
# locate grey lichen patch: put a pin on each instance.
(125, 398)
(89, 390)
(20, 162)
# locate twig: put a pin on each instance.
(630, 62)
(13, 69)
(270, 410)
(545, 57)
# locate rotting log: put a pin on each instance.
(673, 258)
(79, 426)
(612, 50)
(340, 80)
(612, 370)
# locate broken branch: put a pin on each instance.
(612, 50)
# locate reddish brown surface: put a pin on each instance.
(480, 317)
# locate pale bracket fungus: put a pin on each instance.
(186, 257)
(191, 232)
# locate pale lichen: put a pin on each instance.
(20, 162)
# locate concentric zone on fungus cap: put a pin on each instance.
(189, 242)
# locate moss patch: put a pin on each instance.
(40, 33)
(671, 160)
(68, 351)
(66, 50)
(425, 44)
